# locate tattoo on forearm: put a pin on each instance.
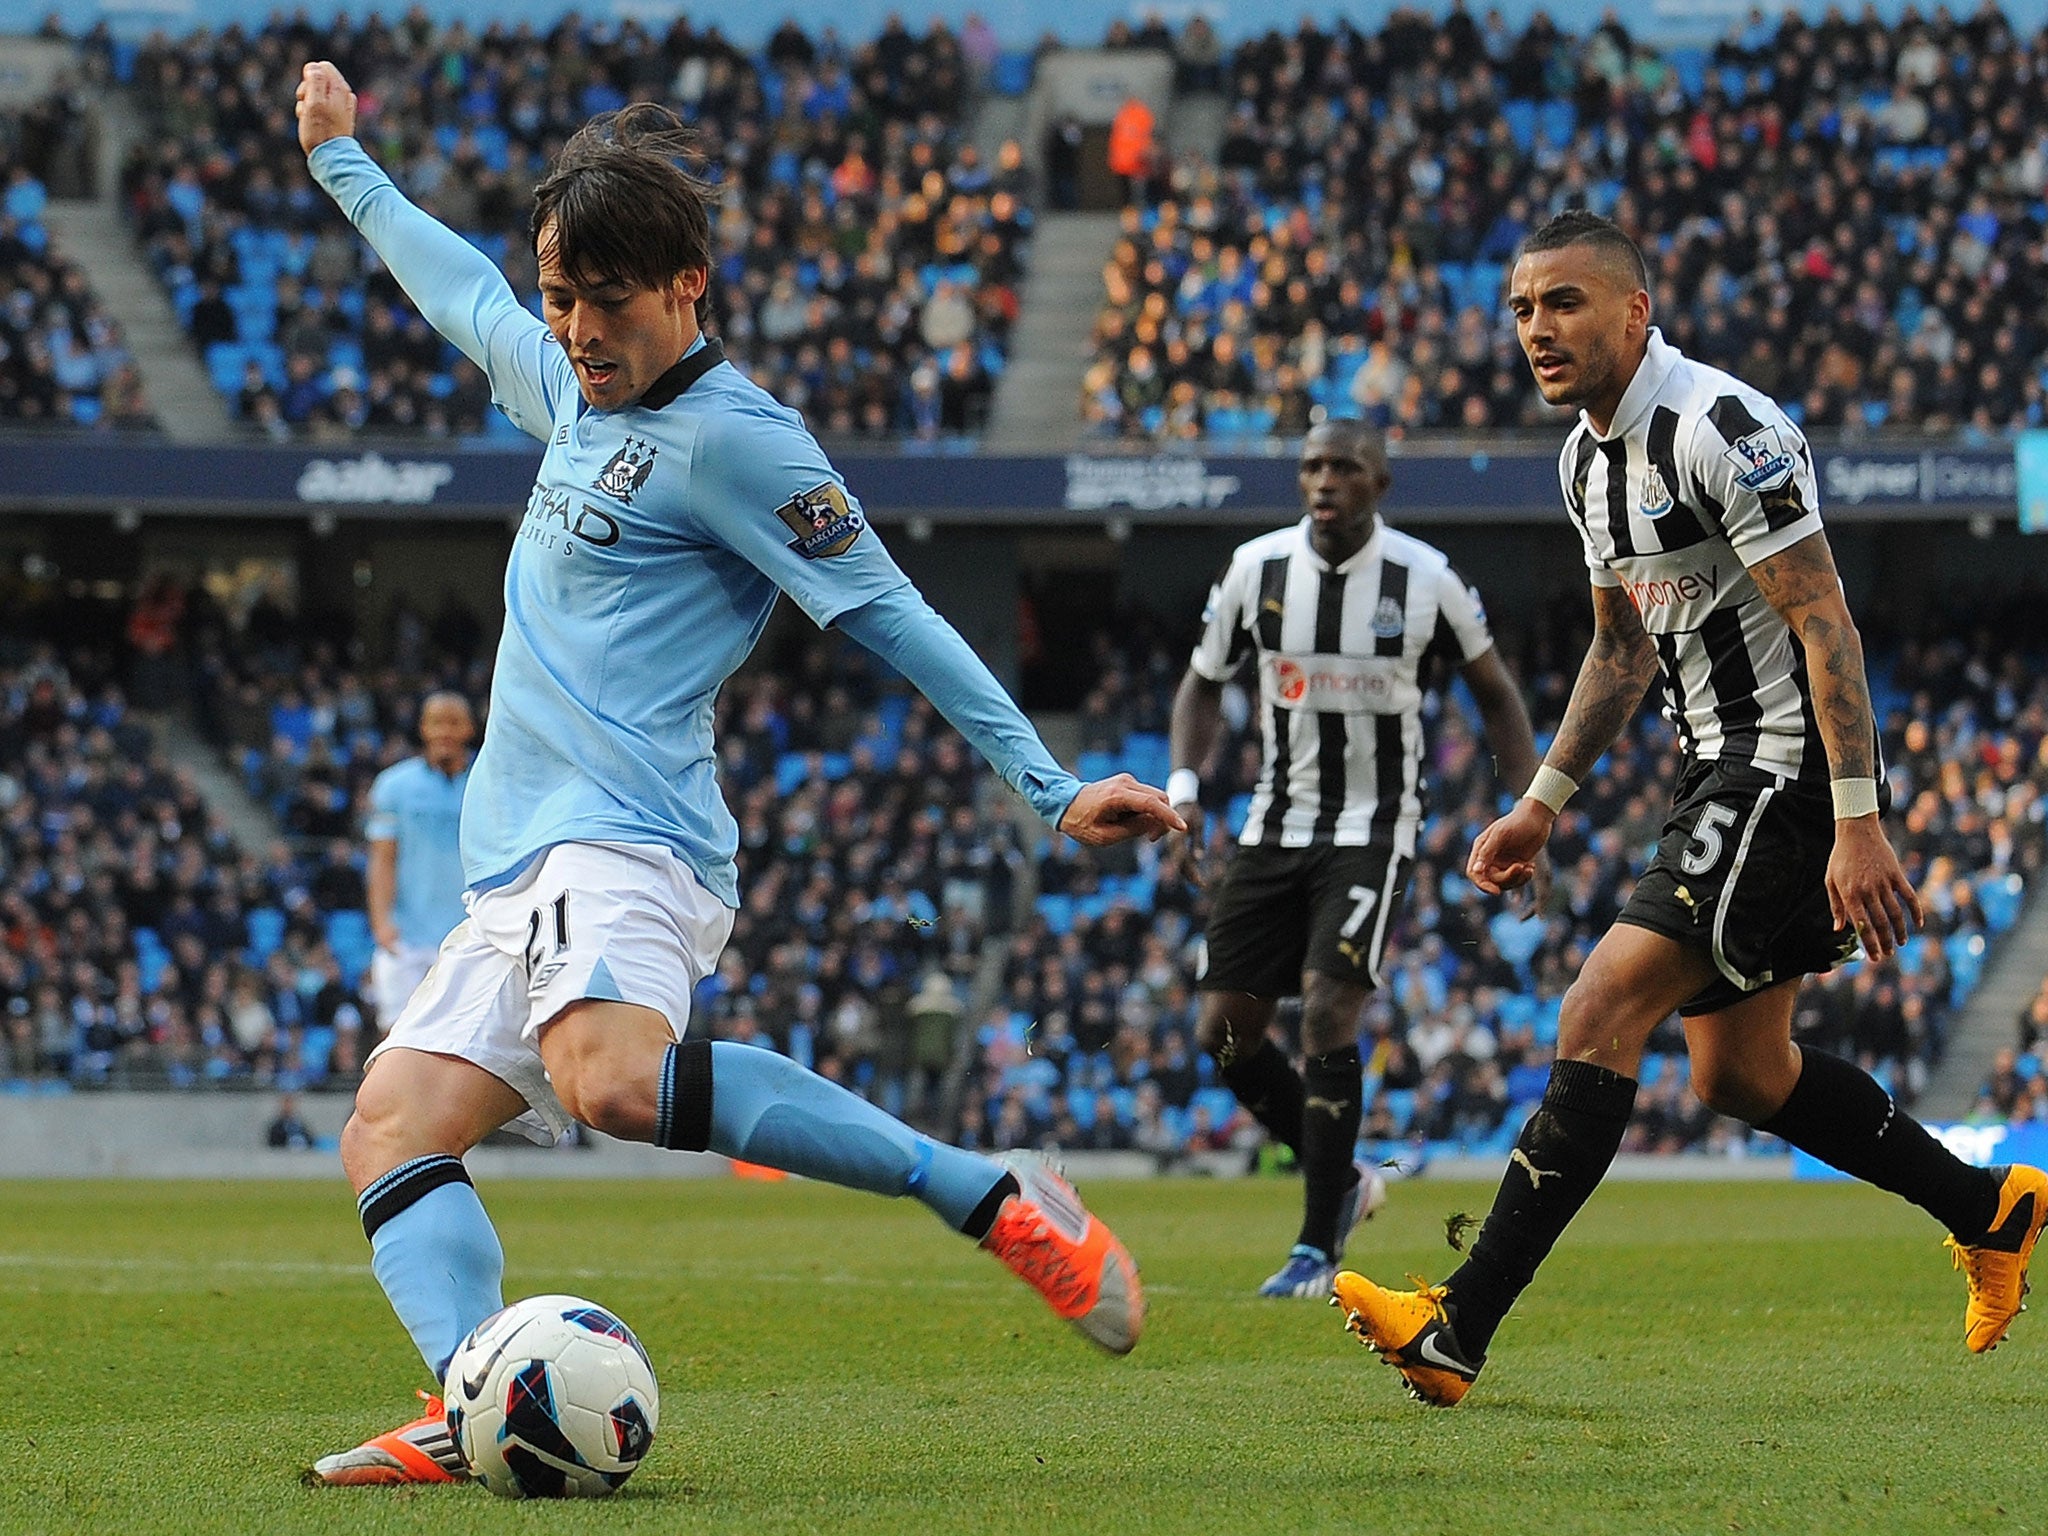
(1612, 679)
(1841, 696)
(1803, 585)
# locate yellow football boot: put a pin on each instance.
(1411, 1331)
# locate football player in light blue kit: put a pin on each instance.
(674, 502)
(414, 830)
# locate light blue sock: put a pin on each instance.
(435, 1253)
(766, 1109)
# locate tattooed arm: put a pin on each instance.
(1802, 584)
(1612, 679)
(1866, 887)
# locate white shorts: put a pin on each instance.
(623, 922)
(395, 974)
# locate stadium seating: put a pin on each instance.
(1098, 985)
(63, 360)
(139, 947)
(1850, 240)
(866, 261)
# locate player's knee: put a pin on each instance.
(1733, 1088)
(608, 1103)
(1588, 1015)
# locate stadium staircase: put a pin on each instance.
(249, 822)
(1038, 400)
(1987, 1023)
(94, 235)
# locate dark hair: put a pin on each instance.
(1581, 226)
(624, 206)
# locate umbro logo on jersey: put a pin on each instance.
(627, 470)
(561, 434)
(1657, 499)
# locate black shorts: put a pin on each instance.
(1283, 910)
(1741, 872)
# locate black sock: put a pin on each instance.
(1333, 1090)
(984, 1215)
(1269, 1088)
(1559, 1160)
(682, 1106)
(1840, 1114)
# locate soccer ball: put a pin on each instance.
(551, 1398)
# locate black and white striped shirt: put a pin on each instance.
(1698, 478)
(1340, 651)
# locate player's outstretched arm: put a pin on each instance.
(1612, 679)
(459, 289)
(901, 627)
(1866, 887)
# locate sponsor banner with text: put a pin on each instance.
(1980, 1146)
(90, 473)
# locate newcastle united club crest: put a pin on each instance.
(821, 519)
(627, 470)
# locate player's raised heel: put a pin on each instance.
(1410, 1331)
(420, 1452)
(1996, 1267)
(1050, 1241)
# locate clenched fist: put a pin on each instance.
(326, 106)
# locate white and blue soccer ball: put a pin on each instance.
(551, 1398)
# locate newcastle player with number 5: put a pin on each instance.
(1694, 497)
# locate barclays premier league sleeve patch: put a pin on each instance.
(1762, 462)
(822, 521)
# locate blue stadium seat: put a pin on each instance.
(1011, 74)
(266, 932)
(1521, 120)
(348, 935)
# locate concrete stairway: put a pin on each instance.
(1987, 1025)
(1038, 399)
(94, 235)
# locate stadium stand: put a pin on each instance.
(885, 886)
(866, 259)
(63, 360)
(1846, 213)
(139, 946)
(1091, 1041)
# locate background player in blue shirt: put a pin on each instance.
(414, 827)
(673, 503)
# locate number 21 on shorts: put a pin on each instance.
(544, 964)
(1707, 843)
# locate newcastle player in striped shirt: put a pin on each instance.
(1694, 497)
(1348, 622)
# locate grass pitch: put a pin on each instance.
(1694, 1358)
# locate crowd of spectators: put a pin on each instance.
(139, 945)
(887, 885)
(63, 360)
(1846, 212)
(866, 259)
(1092, 1041)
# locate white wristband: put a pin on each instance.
(1183, 786)
(1551, 789)
(1854, 798)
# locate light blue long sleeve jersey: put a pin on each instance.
(416, 806)
(653, 545)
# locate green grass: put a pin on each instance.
(1695, 1358)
